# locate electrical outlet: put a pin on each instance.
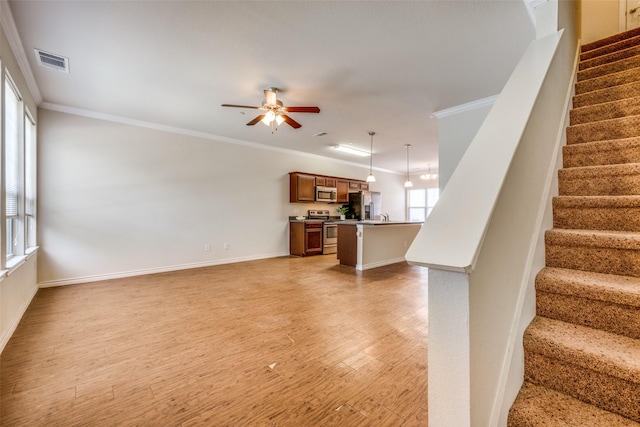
(226, 246)
(207, 247)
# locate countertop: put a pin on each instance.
(356, 222)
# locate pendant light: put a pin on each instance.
(371, 178)
(408, 182)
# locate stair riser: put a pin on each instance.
(626, 127)
(604, 391)
(616, 318)
(615, 38)
(604, 69)
(605, 153)
(603, 185)
(607, 59)
(596, 113)
(610, 48)
(607, 95)
(610, 80)
(613, 219)
(624, 262)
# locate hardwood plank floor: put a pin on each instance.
(279, 342)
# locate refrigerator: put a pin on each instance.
(365, 205)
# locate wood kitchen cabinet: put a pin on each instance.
(302, 187)
(358, 186)
(325, 181)
(343, 190)
(305, 238)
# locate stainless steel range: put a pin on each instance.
(329, 230)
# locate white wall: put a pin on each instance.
(456, 128)
(600, 18)
(117, 199)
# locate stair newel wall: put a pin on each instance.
(483, 239)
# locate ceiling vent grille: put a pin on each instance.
(51, 60)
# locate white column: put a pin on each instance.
(449, 349)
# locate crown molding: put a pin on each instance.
(193, 133)
(465, 107)
(11, 32)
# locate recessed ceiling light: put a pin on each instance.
(351, 150)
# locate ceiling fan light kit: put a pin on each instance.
(275, 111)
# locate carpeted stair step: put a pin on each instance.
(624, 43)
(614, 213)
(611, 152)
(612, 57)
(610, 40)
(597, 367)
(622, 127)
(608, 68)
(598, 251)
(601, 301)
(607, 180)
(614, 79)
(607, 95)
(608, 110)
(538, 406)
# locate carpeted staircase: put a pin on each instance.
(582, 350)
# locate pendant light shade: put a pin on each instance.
(408, 182)
(371, 178)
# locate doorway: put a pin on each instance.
(631, 13)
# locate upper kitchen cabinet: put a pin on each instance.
(325, 181)
(343, 191)
(358, 185)
(302, 187)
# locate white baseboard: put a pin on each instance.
(362, 267)
(120, 275)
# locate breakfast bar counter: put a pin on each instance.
(371, 244)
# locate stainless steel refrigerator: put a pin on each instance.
(365, 205)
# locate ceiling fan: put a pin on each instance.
(275, 110)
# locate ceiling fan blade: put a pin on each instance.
(290, 121)
(270, 96)
(302, 109)
(240, 106)
(256, 120)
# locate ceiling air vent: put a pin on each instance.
(51, 60)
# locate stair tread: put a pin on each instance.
(618, 78)
(607, 94)
(601, 238)
(626, 201)
(597, 146)
(605, 41)
(608, 58)
(610, 47)
(544, 407)
(608, 68)
(601, 170)
(593, 349)
(596, 286)
(607, 110)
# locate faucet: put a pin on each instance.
(384, 217)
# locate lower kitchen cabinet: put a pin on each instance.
(305, 238)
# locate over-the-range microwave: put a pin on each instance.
(326, 194)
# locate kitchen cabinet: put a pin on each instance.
(325, 181)
(358, 186)
(305, 238)
(302, 187)
(343, 191)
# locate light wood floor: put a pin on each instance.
(279, 342)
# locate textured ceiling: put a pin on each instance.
(382, 66)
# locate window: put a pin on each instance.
(30, 179)
(420, 202)
(13, 136)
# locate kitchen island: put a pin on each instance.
(371, 244)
